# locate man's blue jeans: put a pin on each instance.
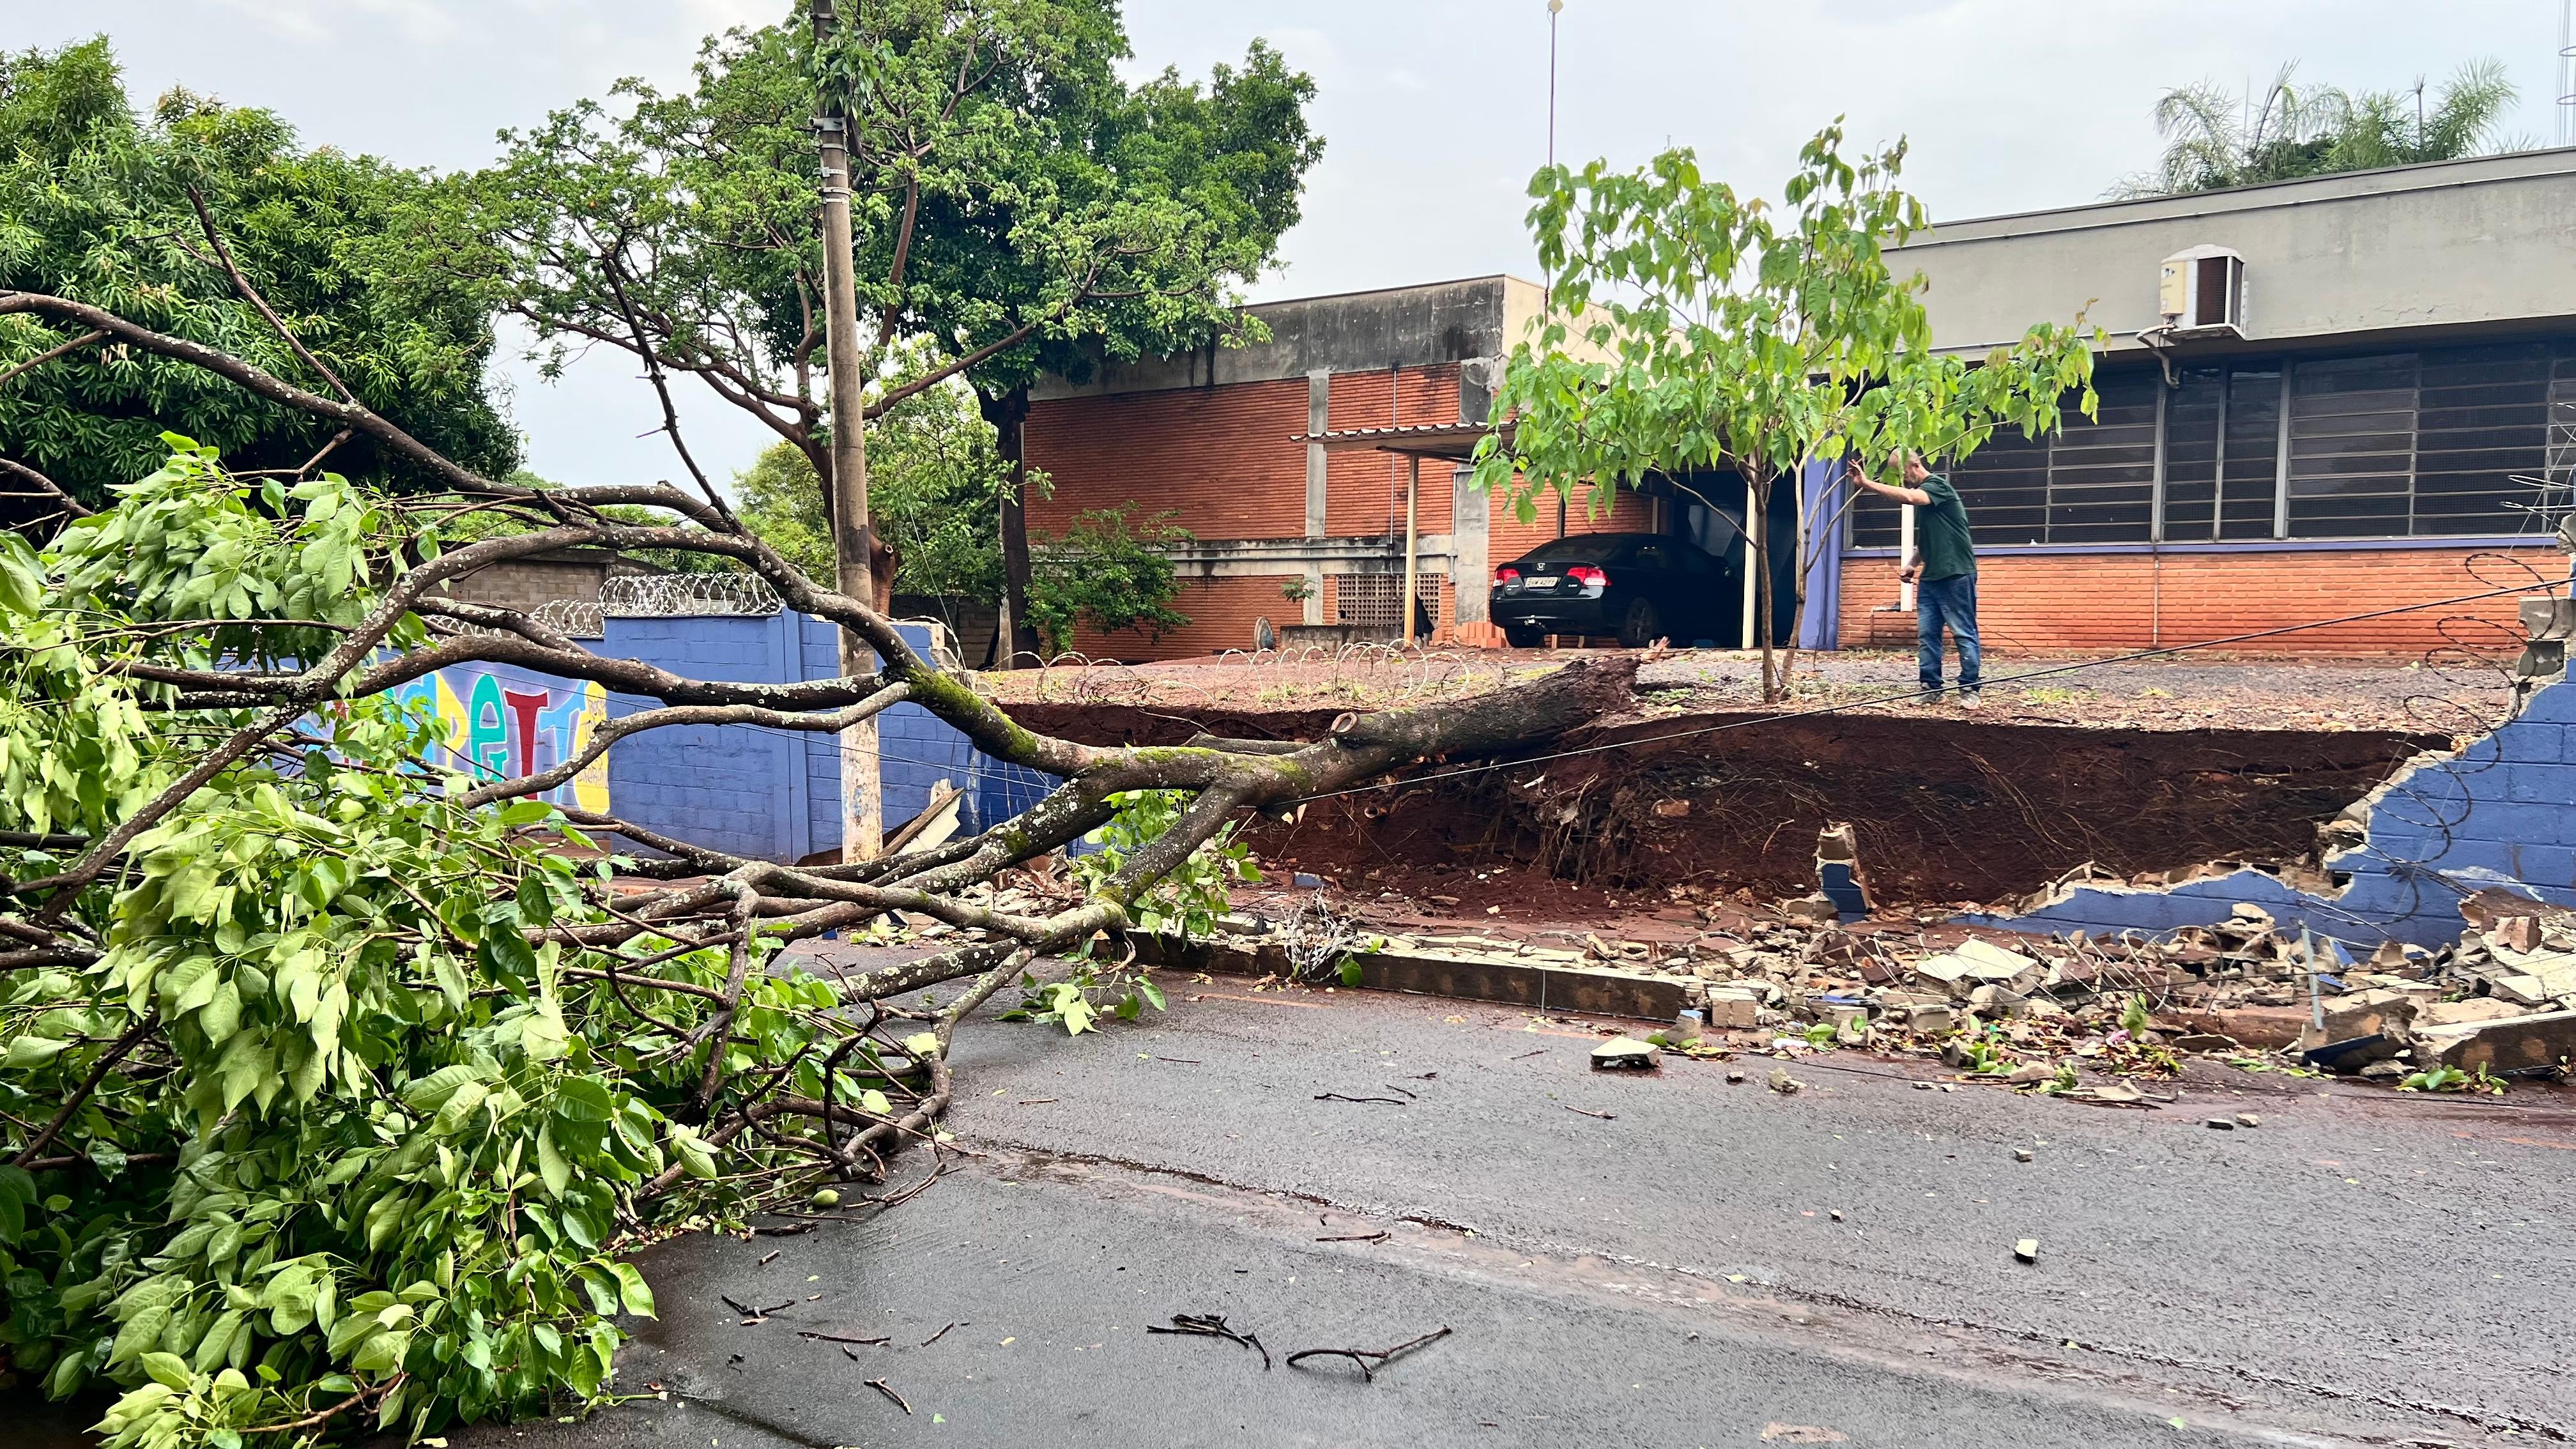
(1951, 602)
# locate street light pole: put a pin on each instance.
(1554, 9)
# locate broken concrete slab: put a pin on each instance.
(1976, 963)
(2360, 1014)
(2461, 1013)
(1622, 1053)
(2511, 1044)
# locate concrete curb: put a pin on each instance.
(1419, 972)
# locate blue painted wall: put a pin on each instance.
(775, 794)
(2502, 813)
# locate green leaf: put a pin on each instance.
(32, 1051)
(631, 1290)
(169, 1369)
(1350, 971)
(551, 1166)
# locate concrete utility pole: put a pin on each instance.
(862, 785)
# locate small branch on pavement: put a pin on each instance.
(840, 1338)
(1338, 1097)
(881, 1386)
(1376, 1237)
(934, 1338)
(1213, 1325)
(1370, 1360)
(1588, 1112)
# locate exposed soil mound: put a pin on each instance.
(1945, 809)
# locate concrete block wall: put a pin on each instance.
(2498, 813)
(775, 794)
(2048, 602)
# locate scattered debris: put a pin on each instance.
(768, 1258)
(1734, 1078)
(2024, 1154)
(882, 1387)
(2248, 1119)
(942, 1333)
(1784, 1084)
(2027, 1250)
(1213, 1325)
(1838, 877)
(840, 1338)
(1338, 1097)
(1622, 1053)
(1376, 1237)
(1370, 1360)
(2221, 1124)
(751, 1315)
(1588, 1112)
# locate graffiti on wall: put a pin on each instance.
(499, 727)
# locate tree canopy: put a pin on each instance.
(1011, 193)
(1693, 329)
(2214, 139)
(146, 215)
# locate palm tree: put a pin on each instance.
(2213, 139)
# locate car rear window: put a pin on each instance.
(1580, 548)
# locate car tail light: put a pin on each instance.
(1588, 576)
(1507, 575)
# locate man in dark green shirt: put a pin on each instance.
(1943, 571)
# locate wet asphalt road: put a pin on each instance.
(2358, 1269)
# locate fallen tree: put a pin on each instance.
(336, 1079)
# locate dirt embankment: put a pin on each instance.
(1946, 809)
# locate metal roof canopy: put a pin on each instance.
(1454, 442)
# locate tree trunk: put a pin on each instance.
(1757, 535)
(1016, 639)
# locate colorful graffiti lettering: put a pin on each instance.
(502, 726)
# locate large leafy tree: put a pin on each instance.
(154, 216)
(2214, 139)
(1010, 193)
(1692, 330)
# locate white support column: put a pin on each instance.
(1412, 538)
(1904, 553)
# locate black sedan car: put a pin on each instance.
(1639, 586)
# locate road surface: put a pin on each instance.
(1664, 1266)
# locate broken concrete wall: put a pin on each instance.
(2499, 813)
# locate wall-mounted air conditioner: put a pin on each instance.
(2201, 292)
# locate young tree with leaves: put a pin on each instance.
(1722, 333)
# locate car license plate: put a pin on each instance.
(1541, 583)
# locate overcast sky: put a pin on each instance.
(1434, 112)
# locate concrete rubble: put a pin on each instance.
(2074, 1015)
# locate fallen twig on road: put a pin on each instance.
(1213, 1325)
(1376, 1237)
(881, 1386)
(1338, 1097)
(1370, 1360)
(1588, 1112)
(934, 1338)
(838, 1337)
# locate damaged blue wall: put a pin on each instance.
(2500, 813)
(775, 794)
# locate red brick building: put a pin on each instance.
(1227, 440)
(2317, 398)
